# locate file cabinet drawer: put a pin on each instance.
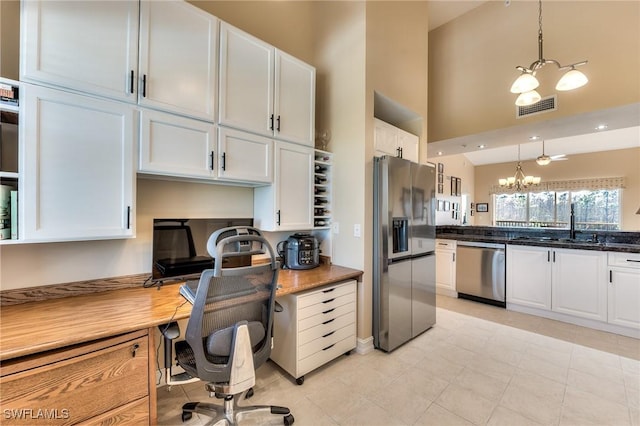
(323, 296)
(326, 306)
(326, 328)
(325, 316)
(324, 342)
(76, 384)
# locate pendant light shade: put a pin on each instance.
(528, 98)
(572, 79)
(525, 83)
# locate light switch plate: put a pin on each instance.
(356, 230)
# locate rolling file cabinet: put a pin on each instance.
(314, 327)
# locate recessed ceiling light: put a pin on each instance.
(482, 146)
(439, 152)
(534, 138)
(601, 127)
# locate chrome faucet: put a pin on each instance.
(572, 223)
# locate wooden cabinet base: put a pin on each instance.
(92, 383)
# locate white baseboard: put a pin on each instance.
(584, 322)
(364, 346)
(446, 292)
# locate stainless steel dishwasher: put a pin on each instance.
(480, 272)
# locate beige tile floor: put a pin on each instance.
(479, 365)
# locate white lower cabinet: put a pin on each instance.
(578, 283)
(529, 276)
(287, 205)
(78, 176)
(446, 267)
(176, 146)
(624, 289)
(314, 327)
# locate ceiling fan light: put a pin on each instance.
(572, 79)
(528, 98)
(526, 82)
(543, 160)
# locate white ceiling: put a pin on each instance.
(570, 135)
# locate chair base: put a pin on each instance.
(230, 412)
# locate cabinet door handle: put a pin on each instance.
(278, 214)
(554, 257)
(271, 122)
(211, 160)
(398, 152)
(224, 161)
(548, 256)
(401, 153)
(144, 85)
(610, 276)
(633, 260)
(278, 127)
(128, 217)
(454, 257)
(131, 82)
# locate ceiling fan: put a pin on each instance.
(544, 159)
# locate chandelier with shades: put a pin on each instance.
(519, 180)
(527, 82)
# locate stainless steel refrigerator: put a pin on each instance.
(404, 282)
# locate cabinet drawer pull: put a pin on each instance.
(278, 127)
(330, 310)
(633, 260)
(610, 276)
(212, 157)
(144, 85)
(328, 334)
(328, 347)
(271, 122)
(128, 217)
(224, 161)
(329, 301)
(327, 322)
(131, 82)
(329, 290)
(278, 214)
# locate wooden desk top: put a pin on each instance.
(39, 326)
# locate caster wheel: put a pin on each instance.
(347, 353)
(186, 416)
(300, 380)
(288, 420)
(249, 393)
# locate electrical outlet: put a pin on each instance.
(336, 227)
(356, 230)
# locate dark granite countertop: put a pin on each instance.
(616, 241)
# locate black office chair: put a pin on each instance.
(229, 331)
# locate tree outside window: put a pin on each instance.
(594, 210)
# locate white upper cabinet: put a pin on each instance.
(288, 203)
(177, 68)
(78, 180)
(246, 81)
(294, 104)
(395, 142)
(93, 46)
(264, 90)
(90, 46)
(244, 157)
(176, 146)
(408, 144)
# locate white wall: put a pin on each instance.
(29, 265)
(458, 166)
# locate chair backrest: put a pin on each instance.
(227, 296)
